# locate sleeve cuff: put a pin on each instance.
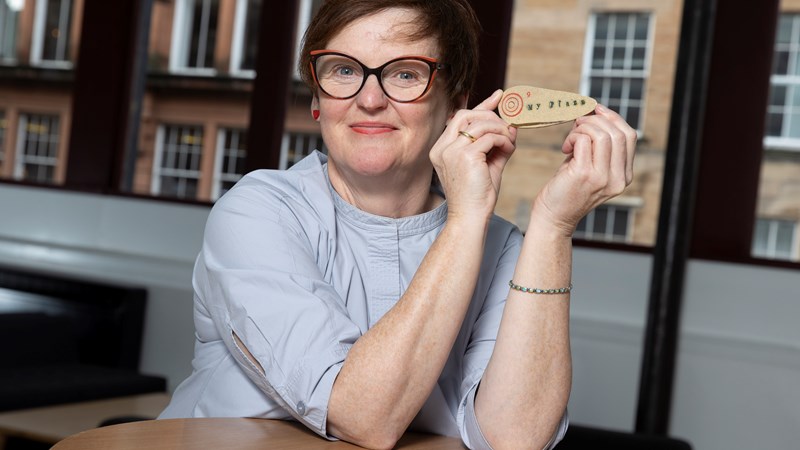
(470, 431)
(473, 437)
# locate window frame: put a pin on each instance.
(791, 82)
(21, 158)
(37, 39)
(238, 44)
(771, 251)
(221, 152)
(588, 72)
(181, 42)
(158, 171)
(608, 235)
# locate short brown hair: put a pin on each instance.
(452, 23)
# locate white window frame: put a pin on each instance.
(223, 152)
(315, 141)
(9, 17)
(588, 72)
(238, 43)
(792, 83)
(22, 158)
(158, 157)
(304, 16)
(37, 42)
(608, 235)
(772, 237)
(179, 46)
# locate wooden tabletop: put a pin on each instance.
(51, 424)
(239, 434)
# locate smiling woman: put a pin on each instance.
(366, 292)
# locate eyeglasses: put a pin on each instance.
(403, 80)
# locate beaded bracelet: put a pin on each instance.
(539, 291)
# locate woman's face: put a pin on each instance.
(370, 135)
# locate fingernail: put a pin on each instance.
(601, 108)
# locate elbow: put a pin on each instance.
(377, 437)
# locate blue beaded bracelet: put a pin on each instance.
(517, 287)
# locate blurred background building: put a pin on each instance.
(192, 131)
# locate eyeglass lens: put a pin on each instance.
(402, 80)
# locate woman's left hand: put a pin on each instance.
(599, 166)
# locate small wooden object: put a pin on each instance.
(534, 107)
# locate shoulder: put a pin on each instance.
(272, 193)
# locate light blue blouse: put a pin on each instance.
(299, 275)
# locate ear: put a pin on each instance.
(315, 108)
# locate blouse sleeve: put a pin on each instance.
(259, 278)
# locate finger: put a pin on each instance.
(579, 147)
(611, 140)
(490, 103)
(478, 128)
(631, 137)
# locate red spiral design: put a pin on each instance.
(511, 105)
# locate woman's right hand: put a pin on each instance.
(470, 171)
(599, 165)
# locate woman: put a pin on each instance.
(347, 294)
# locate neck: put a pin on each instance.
(398, 195)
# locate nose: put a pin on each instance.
(371, 95)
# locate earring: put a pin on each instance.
(315, 113)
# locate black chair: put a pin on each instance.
(69, 340)
(580, 437)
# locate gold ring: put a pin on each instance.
(468, 136)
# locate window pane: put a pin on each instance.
(37, 149)
(251, 35)
(9, 24)
(56, 30)
(781, 63)
(620, 223)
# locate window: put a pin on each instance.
(51, 37)
(617, 48)
(610, 223)
(9, 21)
(308, 8)
(245, 37)
(783, 112)
(37, 148)
(297, 146)
(780, 163)
(176, 170)
(194, 36)
(775, 239)
(230, 157)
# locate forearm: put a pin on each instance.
(525, 387)
(391, 369)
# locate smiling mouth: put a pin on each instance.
(372, 128)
